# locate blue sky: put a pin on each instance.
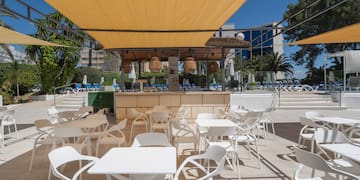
(252, 14)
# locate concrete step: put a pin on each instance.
(310, 108)
(305, 96)
(310, 105)
(309, 102)
(75, 98)
(68, 106)
(286, 99)
(72, 102)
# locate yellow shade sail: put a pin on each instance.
(8, 36)
(347, 34)
(148, 23)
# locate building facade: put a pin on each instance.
(97, 58)
(19, 56)
(263, 41)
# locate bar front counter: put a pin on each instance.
(197, 102)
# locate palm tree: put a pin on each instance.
(15, 68)
(276, 62)
(56, 64)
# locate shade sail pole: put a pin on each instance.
(222, 62)
(122, 72)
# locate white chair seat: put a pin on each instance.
(244, 138)
(345, 165)
(225, 144)
(356, 140)
(307, 136)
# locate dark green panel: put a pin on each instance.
(101, 100)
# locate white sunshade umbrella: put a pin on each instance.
(102, 80)
(251, 78)
(231, 66)
(84, 80)
(214, 81)
(132, 74)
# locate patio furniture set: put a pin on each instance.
(334, 146)
(84, 130)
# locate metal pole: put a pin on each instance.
(325, 83)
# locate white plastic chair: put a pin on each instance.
(9, 120)
(182, 133)
(181, 113)
(109, 137)
(327, 136)
(265, 120)
(45, 137)
(246, 133)
(216, 154)
(151, 139)
(316, 162)
(139, 119)
(216, 137)
(63, 155)
(160, 120)
(354, 134)
(2, 136)
(307, 132)
(72, 136)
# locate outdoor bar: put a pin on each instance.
(197, 102)
(177, 93)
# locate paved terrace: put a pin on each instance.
(277, 159)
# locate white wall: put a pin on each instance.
(252, 101)
(351, 100)
(1, 101)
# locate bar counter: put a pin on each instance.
(197, 102)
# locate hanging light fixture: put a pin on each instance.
(127, 66)
(212, 67)
(189, 65)
(155, 64)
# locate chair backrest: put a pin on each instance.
(307, 122)
(312, 160)
(312, 114)
(180, 129)
(323, 135)
(213, 153)
(9, 115)
(119, 126)
(66, 154)
(67, 115)
(251, 117)
(62, 156)
(159, 117)
(151, 139)
(133, 113)
(42, 123)
(206, 116)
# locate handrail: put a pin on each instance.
(55, 88)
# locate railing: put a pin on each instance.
(55, 88)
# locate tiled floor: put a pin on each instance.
(277, 159)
